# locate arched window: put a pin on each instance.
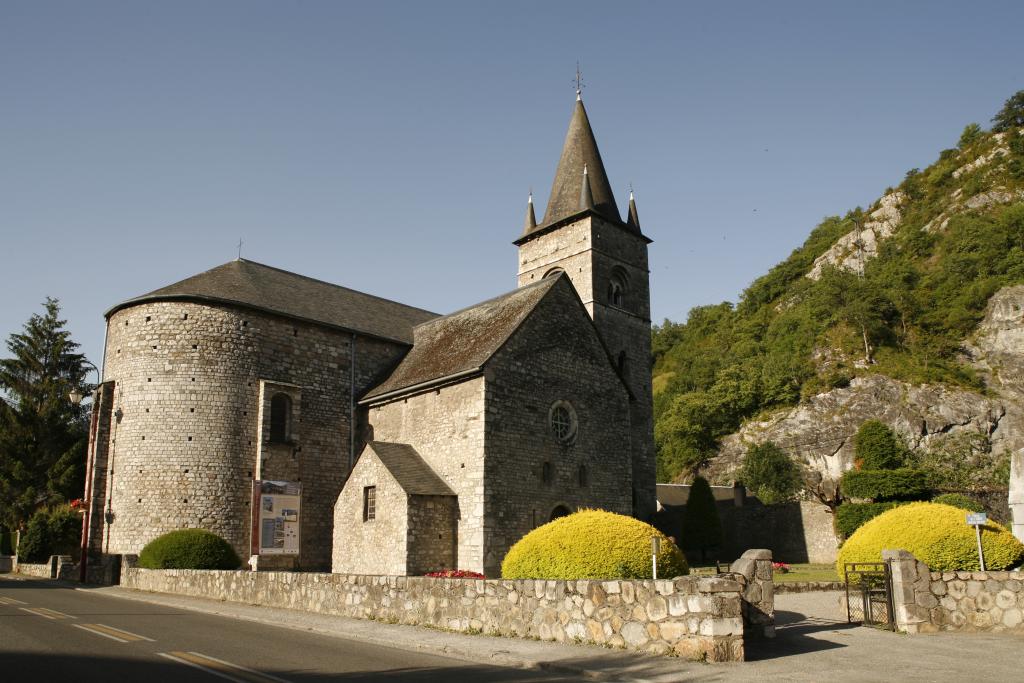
(584, 476)
(621, 363)
(545, 473)
(280, 418)
(618, 285)
(560, 511)
(554, 272)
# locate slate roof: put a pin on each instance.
(411, 472)
(463, 341)
(273, 290)
(579, 150)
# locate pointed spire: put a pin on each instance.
(586, 196)
(531, 217)
(579, 150)
(632, 220)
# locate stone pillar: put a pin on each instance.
(758, 593)
(911, 596)
(1016, 499)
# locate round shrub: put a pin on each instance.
(592, 544)
(188, 549)
(936, 534)
(959, 500)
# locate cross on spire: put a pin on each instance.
(239, 248)
(579, 81)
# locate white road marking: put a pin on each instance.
(46, 613)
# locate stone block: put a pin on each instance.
(635, 634)
(657, 608)
(673, 630)
(718, 585)
(1006, 599)
(721, 626)
(1012, 617)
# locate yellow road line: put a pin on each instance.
(112, 633)
(46, 613)
(218, 667)
(10, 601)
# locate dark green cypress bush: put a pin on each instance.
(876, 447)
(770, 474)
(189, 549)
(53, 531)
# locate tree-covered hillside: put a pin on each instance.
(893, 289)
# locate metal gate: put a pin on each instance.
(869, 594)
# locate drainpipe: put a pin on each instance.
(351, 404)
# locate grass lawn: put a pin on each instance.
(808, 572)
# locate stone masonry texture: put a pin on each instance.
(591, 251)
(927, 601)
(695, 618)
(188, 385)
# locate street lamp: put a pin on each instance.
(76, 394)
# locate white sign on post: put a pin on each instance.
(978, 520)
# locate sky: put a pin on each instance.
(390, 146)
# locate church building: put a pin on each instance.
(408, 441)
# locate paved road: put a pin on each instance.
(52, 632)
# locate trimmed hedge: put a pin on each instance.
(852, 516)
(189, 549)
(885, 485)
(959, 500)
(592, 544)
(936, 534)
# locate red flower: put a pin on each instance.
(454, 574)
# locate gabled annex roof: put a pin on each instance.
(409, 469)
(459, 344)
(269, 289)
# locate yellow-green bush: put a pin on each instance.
(592, 544)
(936, 534)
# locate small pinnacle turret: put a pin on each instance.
(531, 217)
(632, 220)
(586, 196)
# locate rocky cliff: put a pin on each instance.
(980, 431)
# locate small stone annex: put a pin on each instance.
(419, 441)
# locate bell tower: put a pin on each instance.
(605, 257)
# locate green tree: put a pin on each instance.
(1011, 115)
(876, 447)
(42, 434)
(770, 474)
(702, 528)
(972, 132)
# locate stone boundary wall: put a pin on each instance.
(809, 586)
(57, 567)
(755, 568)
(927, 601)
(693, 617)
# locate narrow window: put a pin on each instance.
(618, 283)
(369, 503)
(280, 418)
(583, 476)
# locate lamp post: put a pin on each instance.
(76, 397)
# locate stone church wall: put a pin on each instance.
(188, 382)
(374, 546)
(431, 536)
(554, 356)
(446, 427)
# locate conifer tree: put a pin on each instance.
(43, 434)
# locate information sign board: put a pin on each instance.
(276, 511)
